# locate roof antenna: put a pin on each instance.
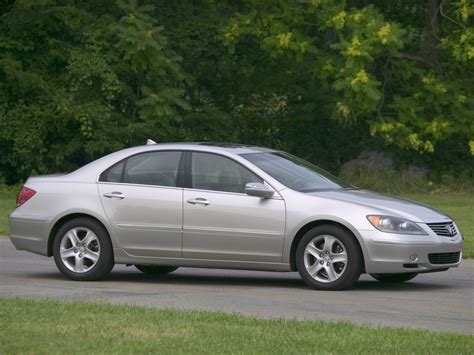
(150, 142)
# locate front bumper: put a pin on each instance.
(390, 253)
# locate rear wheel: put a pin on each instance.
(156, 269)
(329, 258)
(82, 250)
(394, 278)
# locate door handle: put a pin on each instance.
(114, 194)
(199, 201)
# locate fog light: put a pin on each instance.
(413, 257)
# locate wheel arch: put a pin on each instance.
(66, 218)
(319, 222)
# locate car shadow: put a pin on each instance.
(212, 280)
(414, 285)
(233, 278)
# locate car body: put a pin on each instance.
(164, 205)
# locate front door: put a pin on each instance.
(221, 222)
(144, 205)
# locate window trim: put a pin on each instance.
(124, 160)
(184, 168)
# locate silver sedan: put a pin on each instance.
(161, 206)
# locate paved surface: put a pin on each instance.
(441, 301)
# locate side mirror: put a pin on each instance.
(258, 189)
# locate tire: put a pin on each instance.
(156, 269)
(91, 258)
(394, 278)
(314, 263)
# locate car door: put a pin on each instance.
(143, 203)
(222, 222)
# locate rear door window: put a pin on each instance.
(153, 168)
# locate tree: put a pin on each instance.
(374, 69)
(73, 77)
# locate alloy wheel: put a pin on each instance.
(80, 249)
(325, 258)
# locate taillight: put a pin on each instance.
(24, 195)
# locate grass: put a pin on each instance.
(7, 204)
(401, 181)
(62, 327)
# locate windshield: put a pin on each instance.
(295, 173)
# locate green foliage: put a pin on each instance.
(73, 79)
(411, 101)
(156, 71)
(324, 79)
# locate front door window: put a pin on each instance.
(217, 173)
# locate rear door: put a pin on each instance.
(143, 203)
(222, 222)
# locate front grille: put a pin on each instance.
(444, 258)
(444, 229)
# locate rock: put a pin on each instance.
(371, 160)
(416, 172)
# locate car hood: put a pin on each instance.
(386, 204)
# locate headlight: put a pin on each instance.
(395, 225)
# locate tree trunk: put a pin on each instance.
(431, 31)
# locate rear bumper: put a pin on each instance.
(29, 233)
(391, 254)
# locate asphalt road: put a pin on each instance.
(440, 302)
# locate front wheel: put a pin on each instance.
(156, 269)
(82, 250)
(394, 278)
(329, 258)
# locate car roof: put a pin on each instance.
(234, 148)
